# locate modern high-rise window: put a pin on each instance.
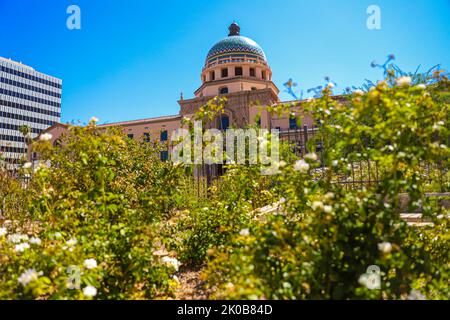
(28, 99)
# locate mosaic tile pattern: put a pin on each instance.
(236, 44)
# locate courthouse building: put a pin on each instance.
(27, 98)
(235, 67)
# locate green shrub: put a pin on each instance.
(326, 236)
(101, 194)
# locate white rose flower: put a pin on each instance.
(244, 232)
(302, 166)
(90, 291)
(403, 81)
(39, 166)
(317, 205)
(28, 276)
(173, 262)
(72, 242)
(328, 209)
(27, 165)
(21, 247)
(330, 85)
(358, 92)
(90, 263)
(421, 86)
(45, 137)
(17, 238)
(385, 247)
(35, 241)
(363, 279)
(416, 295)
(94, 120)
(311, 156)
(329, 195)
(3, 232)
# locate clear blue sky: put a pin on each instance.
(132, 58)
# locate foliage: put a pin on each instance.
(100, 199)
(99, 208)
(326, 236)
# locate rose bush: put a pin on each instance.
(101, 198)
(101, 210)
(320, 244)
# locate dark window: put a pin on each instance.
(238, 71)
(146, 137)
(212, 75)
(130, 136)
(224, 72)
(224, 122)
(57, 143)
(253, 88)
(223, 90)
(293, 123)
(31, 77)
(263, 73)
(164, 155)
(30, 98)
(252, 72)
(164, 135)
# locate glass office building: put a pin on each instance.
(27, 98)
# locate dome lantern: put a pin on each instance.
(234, 29)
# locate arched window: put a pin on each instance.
(57, 143)
(224, 122)
(223, 90)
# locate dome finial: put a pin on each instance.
(234, 29)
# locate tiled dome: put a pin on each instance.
(235, 43)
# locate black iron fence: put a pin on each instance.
(359, 174)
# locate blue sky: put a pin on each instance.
(131, 59)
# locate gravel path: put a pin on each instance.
(192, 287)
